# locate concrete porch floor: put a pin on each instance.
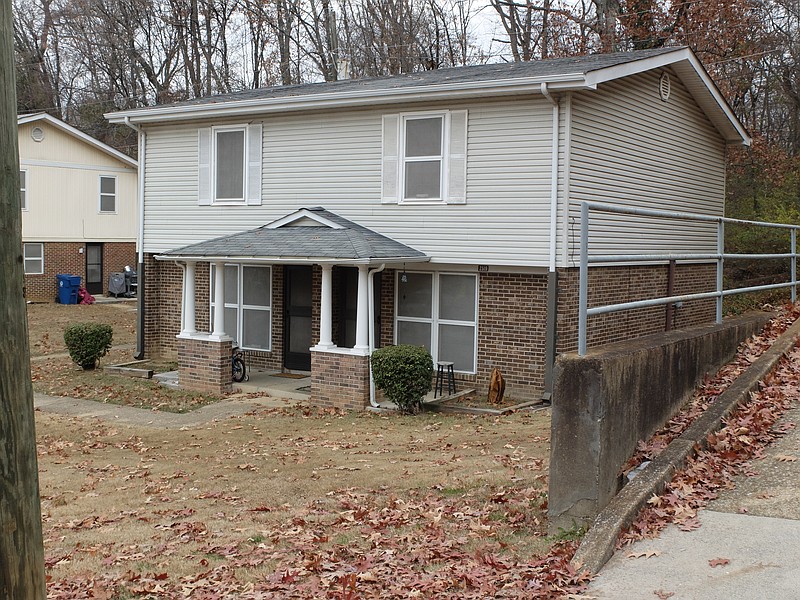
(279, 385)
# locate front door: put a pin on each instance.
(297, 318)
(94, 269)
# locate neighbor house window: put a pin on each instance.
(423, 157)
(108, 194)
(439, 311)
(23, 189)
(33, 255)
(248, 305)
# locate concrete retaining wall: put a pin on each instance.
(607, 401)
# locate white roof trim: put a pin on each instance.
(730, 125)
(444, 91)
(293, 260)
(303, 213)
(69, 129)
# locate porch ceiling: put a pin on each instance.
(309, 235)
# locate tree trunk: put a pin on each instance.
(21, 549)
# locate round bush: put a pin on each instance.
(87, 342)
(404, 373)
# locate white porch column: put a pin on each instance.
(219, 300)
(362, 311)
(189, 299)
(326, 308)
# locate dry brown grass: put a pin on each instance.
(148, 501)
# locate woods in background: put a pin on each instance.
(80, 58)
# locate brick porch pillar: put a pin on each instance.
(204, 363)
(339, 379)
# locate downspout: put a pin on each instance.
(552, 274)
(140, 289)
(371, 301)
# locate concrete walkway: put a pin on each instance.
(141, 417)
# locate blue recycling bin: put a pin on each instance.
(68, 286)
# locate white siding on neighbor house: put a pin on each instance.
(334, 160)
(630, 148)
(63, 190)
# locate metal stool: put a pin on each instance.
(440, 374)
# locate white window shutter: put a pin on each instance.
(390, 173)
(254, 142)
(204, 166)
(457, 158)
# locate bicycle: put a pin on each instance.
(238, 367)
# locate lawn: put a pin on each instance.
(284, 503)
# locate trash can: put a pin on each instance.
(68, 286)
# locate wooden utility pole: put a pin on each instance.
(21, 549)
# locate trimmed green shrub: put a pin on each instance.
(87, 342)
(404, 373)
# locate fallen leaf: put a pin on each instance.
(646, 554)
(785, 458)
(718, 562)
(663, 595)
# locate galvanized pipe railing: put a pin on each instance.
(584, 312)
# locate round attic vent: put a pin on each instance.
(664, 86)
(37, 133)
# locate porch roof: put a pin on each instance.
(308, 235)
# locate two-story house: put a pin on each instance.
(79, 206)
(313, 223)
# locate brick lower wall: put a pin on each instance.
(339, 380)
(609, 285)
(67, 258)
(204, 365)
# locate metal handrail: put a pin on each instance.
(719, 257)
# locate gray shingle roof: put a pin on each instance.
(351, 242)
(541, 68)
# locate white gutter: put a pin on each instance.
(553, 178)
(345, 98)
(371, 293)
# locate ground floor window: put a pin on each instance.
(34, 258)
(439, 311)
(248, 305)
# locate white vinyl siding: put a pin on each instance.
(33, 255)
(335, 160)
(108, 194)
(23, 189)
(630, 148)
(439, 311)
(248, 305)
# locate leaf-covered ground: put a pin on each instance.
(301, 504)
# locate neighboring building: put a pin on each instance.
(79, 206)
(452, 195)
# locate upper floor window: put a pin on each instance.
(33, 255)
(108, 194)
(23, 189)
(425, 158)
(229, 160)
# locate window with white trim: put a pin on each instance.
(248, 305)
(108, 194)
(23, 189)
(439, 311)
(424, 158)
(229, 164)
(33, 255)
